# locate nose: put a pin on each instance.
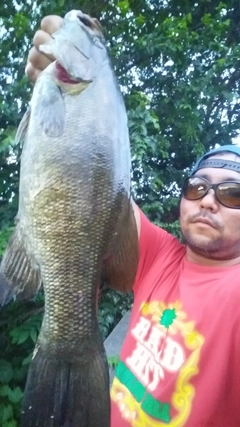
(209, 201)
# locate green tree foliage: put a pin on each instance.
(178, 64)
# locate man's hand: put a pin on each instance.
(38, 61)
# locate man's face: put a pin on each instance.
(209, 228)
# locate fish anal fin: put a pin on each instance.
(120, 267)
(19, 272)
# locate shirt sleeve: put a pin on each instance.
(152, 241)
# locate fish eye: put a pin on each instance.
(85, 21)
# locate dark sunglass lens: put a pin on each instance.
(194, 188)
(228, 194)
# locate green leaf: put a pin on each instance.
(123, 6)
(19, 374)
(5, 234)
(140, 20)
(15, 395)
(6, 371)
(34, 335)
(27, 360)
(6, 413)
(4, 390)
(19, 337)
(12, 423)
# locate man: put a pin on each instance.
(179, 365)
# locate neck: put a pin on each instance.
(201, 260)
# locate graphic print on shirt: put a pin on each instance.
(163, 357)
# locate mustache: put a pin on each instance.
(216, 224)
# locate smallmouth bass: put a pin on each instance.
(74, 225)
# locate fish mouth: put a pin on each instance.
(64, 77)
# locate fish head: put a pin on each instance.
(86, 20)
(89, 38)
(79, 48)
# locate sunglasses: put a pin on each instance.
(227, 193)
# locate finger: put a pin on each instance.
(41, 37)
(38, 60)
(51, 23)
(32, 72)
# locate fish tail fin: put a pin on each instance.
(67, 388)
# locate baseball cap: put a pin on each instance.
(204, 162)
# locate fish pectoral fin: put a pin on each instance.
(49, 108)
(120, 266)
(19, 273)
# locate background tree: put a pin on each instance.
(178, 64)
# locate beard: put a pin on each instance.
(216, 249)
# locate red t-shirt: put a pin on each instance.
(180, 362)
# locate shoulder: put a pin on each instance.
(158, 249)
(154, 238)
